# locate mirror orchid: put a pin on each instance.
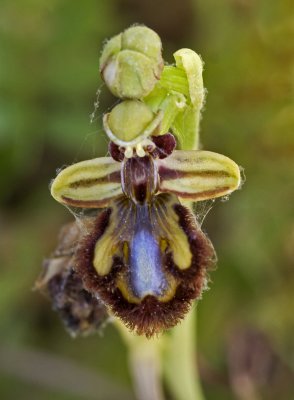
(143, 255)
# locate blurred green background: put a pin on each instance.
(49, 52)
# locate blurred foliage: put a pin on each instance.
(48, 79)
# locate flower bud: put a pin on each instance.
(128, 120)
(131, 62)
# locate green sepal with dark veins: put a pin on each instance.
(88, 184)
(198, 175)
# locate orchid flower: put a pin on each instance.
(144, 255)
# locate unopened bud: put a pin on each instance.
(128, 119)
(131, 62)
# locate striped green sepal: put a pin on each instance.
(90, 184)
(198, 175)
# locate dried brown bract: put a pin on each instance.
(81, 313)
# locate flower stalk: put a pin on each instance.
(180, 361)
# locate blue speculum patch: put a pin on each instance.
(147, 277)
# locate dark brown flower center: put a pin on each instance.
(160, 147)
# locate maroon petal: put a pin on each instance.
(165, 145)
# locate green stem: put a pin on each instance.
(180, 364)
(145, 367)
(145, 363)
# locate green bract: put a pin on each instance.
(190, 62)
(180, 95)
(131, 62)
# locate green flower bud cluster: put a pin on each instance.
(155, 98)
(131, 64)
